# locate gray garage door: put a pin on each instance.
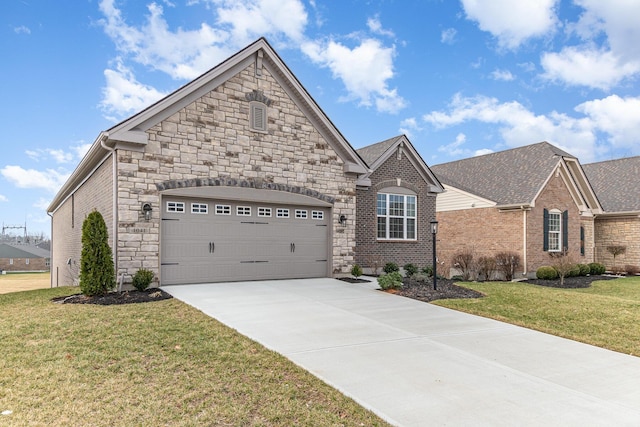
(206, 240)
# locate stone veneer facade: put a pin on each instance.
(209, 142)
(487, 231)
(369, 249)
(619, 230)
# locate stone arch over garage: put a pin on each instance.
(256, 183)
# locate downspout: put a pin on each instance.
(114, 198)
(524, 240)
(51, 252)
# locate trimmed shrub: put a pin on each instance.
(391, 280)
(356, 271)
(574, 271)
(463, 261)
(596, 268)
(546, 273)
(410, 269)
(428, 271)
(390, 267)
(97, 274)
(421, 277)
(142, 279)
(585, 270)
(506, 263)
(486, 267)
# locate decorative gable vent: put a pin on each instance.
(258, 103)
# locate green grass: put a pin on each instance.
(606, 315)
(159, 363)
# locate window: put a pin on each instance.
(264, 212)
(199, 208)
(26, 261)
(243, 210)
(177, 207)
(47, 262)
(396, 216)
(223, 210)
(582, 240)
(258, 116)
(555, 230)
(10, 261)
(317, 215)
(301, 214)
(282, 213)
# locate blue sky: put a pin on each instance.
(460, 78)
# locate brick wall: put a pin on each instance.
(617, 231)
(401, 252)
(95, 193)
(555, 195)
(211, 138)
(20, 264)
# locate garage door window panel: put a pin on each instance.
(223, 210)
(264, 212)
(301, 214)
(282, 213)
(175, 207)
(199, 208)
(243, 210)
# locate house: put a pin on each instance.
(22, 257)
(394, 211)
(617, 184)
(237, 175)
(532, 201)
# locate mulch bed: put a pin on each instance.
(113, 298)
(570, 282)
(423, 291)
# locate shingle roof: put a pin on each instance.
(11, 251)
(507, 177)
(616, 183)
(372, 152)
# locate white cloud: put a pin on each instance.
(502, 75)
(49, 179)
(455, 148)
(81, 149)
(482, 152)
(409, 126)
(448, 36)
(517, 126)
(513, 22)
(59, 156)
(364, 70)
(3, 198)
(123, 94)
(42, 203)
(618, 117)
(587, 67)
(22, 30)
(375, 26)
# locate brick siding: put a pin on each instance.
(369, 247)
(617, 231)
(20, 264)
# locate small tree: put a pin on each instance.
(486, 267)
(563, 264)
(616, 250)
(97, 274)
(356, 271)
(142, 279)
(463, 261)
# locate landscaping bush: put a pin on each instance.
(410, 269)
(356, 271)
(506, 263)
(142, 279)
(421, 277)
(463, 261)
(574, 271)
(391, 280)
(97, 274)
(390, 267)
(596, 268)
(585, 270)
(486, 267)
(632, 269)
(428, 271)
(546, 273)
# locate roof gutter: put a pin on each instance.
(617, 214)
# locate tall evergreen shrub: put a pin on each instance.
(97, 274)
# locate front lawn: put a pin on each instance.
(17, 282)
(606, 315)
(157, 363)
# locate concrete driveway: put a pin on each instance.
(416, 364)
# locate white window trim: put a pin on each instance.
(317, 215)
(302, 214)
(243, 210)
(405, 217)
(282, 213)
(223, 209)
(264, 212)
(556, 213)
(199, 208)
(175, 207)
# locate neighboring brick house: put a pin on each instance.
(617, 184)
(531, 200)
(23, 258)
(237, 175)
(394, 212)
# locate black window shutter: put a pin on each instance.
(545, 230)
(565, 230)
(582, 240)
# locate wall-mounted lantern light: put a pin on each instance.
(146, 210)
(343, 220)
